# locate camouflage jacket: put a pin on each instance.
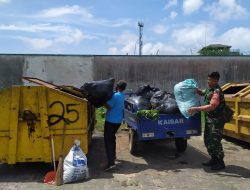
(213, 115)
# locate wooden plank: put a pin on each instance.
(68, 89)
(40, 82)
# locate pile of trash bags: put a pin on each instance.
(98, 92)
(148, 97)
(164, 102)
(146, 91)
(141, 102)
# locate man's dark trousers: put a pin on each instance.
(110, 130)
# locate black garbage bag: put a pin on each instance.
(146, 91)
(164, 102)
(141, 103)
(169, 106)
(157, 98)
(98, 92)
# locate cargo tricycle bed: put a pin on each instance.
(168, 126)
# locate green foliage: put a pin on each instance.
(100, 118)
(214, 52)
(149, 114)
(218, 51)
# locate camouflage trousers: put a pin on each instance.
(212, 137)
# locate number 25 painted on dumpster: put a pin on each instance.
(54, 118)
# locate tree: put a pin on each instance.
(218, 50)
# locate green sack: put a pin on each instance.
(149, 114)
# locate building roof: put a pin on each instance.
(217, 46)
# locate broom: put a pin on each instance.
(59, 171)
(50, 176)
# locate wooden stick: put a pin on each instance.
(59, 172)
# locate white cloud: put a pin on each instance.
(113, 51)
(190, 6)
(173, 15)
(110, 23)
(171, 3)
(160, 48)
(226, 10)
(128, 43)
(148, 49)
(45, 27)
(186, 40)
(238, 38)
(37, 43)
(64, 30)
(194, 34)
(52, 35)
(128, 49)
(14, 27)
(127, 37)
(4, 1)
(65, 10)
(72, 36)
(159, 29)
(82, 15)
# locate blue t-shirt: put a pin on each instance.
(115, 114)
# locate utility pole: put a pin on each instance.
(141, 25)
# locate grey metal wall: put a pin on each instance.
(69, 70)
(11, 69)
(166, 71)
(58, 69)
(160, 71)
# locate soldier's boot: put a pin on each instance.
(219, 165)
(211, 162)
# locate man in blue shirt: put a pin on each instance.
(113, 120)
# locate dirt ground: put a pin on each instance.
(157, 166)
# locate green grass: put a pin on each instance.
(100, 119)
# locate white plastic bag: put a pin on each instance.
(75, 164)
(186, 96)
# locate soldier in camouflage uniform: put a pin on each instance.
(214, 103)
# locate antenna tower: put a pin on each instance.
(141, 25)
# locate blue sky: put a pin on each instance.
(107, 27)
